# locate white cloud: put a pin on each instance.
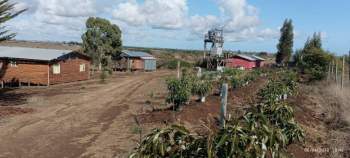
(64, 19)
(239, 20)
(20, 6)
(160, 14)
(131, 13)
(53, 19)
(67, 8)
(64, 12)
(238, 15)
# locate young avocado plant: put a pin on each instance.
(202, 88)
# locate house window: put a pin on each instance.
(56, 68)
(82, 68)
(13, 63)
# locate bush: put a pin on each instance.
(233, 72)
(239, 79)
(202, 88)
(313, 60)
(179, 91)
(265, 130)
(172, 141)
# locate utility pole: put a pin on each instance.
(224, 92)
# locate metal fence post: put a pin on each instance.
(224, 94)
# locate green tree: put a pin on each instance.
(313, 60)
(7, 13)
(285, 45)
(102, 41)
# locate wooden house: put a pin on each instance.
(136, 61)
(33, 66)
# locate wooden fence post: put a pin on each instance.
(332, 69)
(343, 73)
(178, 69)
(224, 94)
(336, 72)
(329, 72)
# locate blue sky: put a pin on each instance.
(250, 25)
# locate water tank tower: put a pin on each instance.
(214, 57)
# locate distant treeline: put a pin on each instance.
(169, 50)
(149, 49)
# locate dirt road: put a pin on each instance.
(80, 120)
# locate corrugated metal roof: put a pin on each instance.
(135, 54)
(246, 57)
(258, 58)
(148, 58)
(31, 53)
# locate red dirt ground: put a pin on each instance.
(196, 114)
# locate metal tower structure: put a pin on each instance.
(214, 57)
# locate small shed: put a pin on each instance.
(260, 62)
(42, 66)
(133, 60)
(244, 61)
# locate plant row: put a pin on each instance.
(264, 130)
(181, 90)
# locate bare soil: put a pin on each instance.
(85, 119)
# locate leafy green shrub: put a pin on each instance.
(277, 88)
(232, 72)
(179, 91)
(313, 60)
(256, 134)
(240, 79)
(172, 141)
(202, 88)
(236, 82)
